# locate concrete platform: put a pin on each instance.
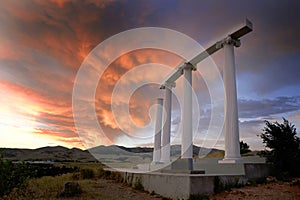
(172, 171)
(183, 184)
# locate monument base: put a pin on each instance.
(172, 171)
(183, 164)
(157, 163)
(231, 161)
(185, 186)
(180, 183)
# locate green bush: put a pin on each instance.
(13, 175)
(282, 148)
(244, 147)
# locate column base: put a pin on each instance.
(231, 161)
(183, 164)
(163, 162)
(156, 163)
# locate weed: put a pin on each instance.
(220, 186)
(138, 185)
(76, 176)
(87, 173)
(71, 189)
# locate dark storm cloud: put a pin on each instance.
(267, 107)
(268, 49)
(270, 53)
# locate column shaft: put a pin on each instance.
(158, 130)
(232, 146)
(165, 149)
(187, 135)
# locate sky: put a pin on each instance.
(44, 43)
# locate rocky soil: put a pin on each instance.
(272, 190)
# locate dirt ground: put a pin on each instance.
(275, 190)
(121, 191)
(110, 190)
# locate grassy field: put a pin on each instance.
(94, 183)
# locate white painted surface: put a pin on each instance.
(158, 130)
(165, 149)
(187, 133)
(232, 145)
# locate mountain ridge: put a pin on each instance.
(64, 154)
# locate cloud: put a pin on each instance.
(263, 108)
(43, 44)
(23, 110)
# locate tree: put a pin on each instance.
(244, 147)
(282, 147)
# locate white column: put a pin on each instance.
(187, 125)
(157, 135)
(232, 142)
(165, 149)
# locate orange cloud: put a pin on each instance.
(59, 3)
(29, 111)
(139, 103)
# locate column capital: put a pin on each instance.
(188, 65)
(169, 85)
(228, 40)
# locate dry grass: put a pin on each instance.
(41, 188)
(103, 185)
(217, 154)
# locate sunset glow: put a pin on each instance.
(44, 43)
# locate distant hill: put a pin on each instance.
(113, 152)
(175, 150)
(57, 153)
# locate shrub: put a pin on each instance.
(46, 187)
(138, 185)
(282, 148)
(244, 147)
(87, 173)
(13, 175)
(71, 189)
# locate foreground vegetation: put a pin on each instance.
(52, 187)
(18, 174)
(91, 181)
(47, 187)
(13, 175)
(282, 148)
